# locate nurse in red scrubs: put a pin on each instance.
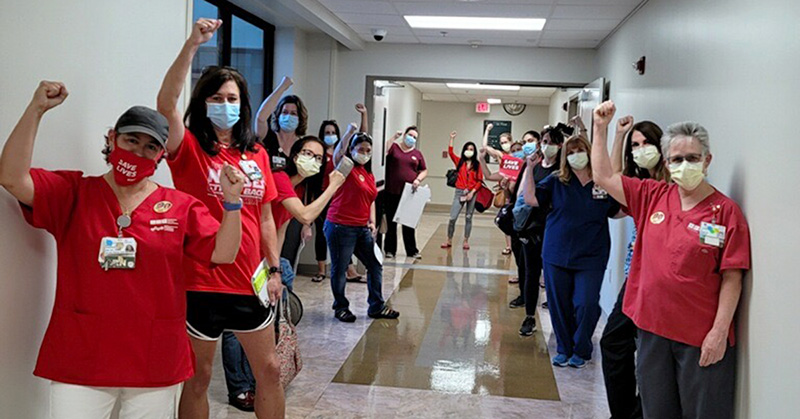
(685, 277)
(117, 332)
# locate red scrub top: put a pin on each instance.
(118, 328)
(351, 204)
(285, 191)
(197, 174)
(674, 281)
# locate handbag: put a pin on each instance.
(499, 200)
(504, 220)
(287, 346)
(484, 198)
(452, 176)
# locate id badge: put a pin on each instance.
(278, 163)
(259, 282)
(599, 193)
(712, 234)
(117, 253)
(251, 169)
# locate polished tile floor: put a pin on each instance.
(455, 351)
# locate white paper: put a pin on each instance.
(412, 204)
(378, 254)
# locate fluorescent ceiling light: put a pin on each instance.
(493, 101)
(485, 23)
(477, 86)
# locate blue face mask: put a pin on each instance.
(331, 139)
(410, 141)
(288, 122)
(223, 115)
(518, 154)
(529, 148)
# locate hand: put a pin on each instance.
(534, 159)
(397, 135)
(624, 124)
(352, 127)
(336, 179)
(577, 121)
(274, 288)
(306, 233)
(470, 195)
(232, 182)
(203, 30)
(415, 185)
(372, 229)
(604, 113)
(360, 108)
(482, 153)
(453, 136)
(713, 349)
(489, 127)
(286, 82)
(48, 95)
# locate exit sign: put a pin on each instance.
(482, 107)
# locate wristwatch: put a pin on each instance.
(275, 270)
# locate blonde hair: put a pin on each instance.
(507, 135)
(565, 171)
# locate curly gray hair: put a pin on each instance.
(685, 129)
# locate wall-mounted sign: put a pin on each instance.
(482, 107)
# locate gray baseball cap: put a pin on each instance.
(141, 119)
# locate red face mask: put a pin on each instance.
(129, 168)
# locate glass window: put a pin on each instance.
(209, 53)
(247, 56)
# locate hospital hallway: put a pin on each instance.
(455, 351)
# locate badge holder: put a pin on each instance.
(251, 169)
(599, 193)
(259, 282)
(118, 252)
(711, 233)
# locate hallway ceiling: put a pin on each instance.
(440, 92)
(570, 23)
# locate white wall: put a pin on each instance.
(726, 65)
(556, 112)
(111, 56)
(440, 118)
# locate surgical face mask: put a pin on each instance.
(130, 169)
(687, 175)
(288, 122)
(578, 161)
(469, 153)
(529, 148)
(506, 147)
(307, 166)
(410, 141)
(519, 154)
(646, 156)
(331, 139)
(223, 115)
(549, 150)
(360, 158)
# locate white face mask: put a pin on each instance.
(687, 175)
(578, 161)
(469, 153)
(646, 156)
(550, 150)
(505, 146)
(359, 158)
(307, 166)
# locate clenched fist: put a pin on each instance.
(232, 182)
(203, 30)
(604, 113)
(48, 95)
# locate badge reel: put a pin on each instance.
(711, 233)
(118, 252)
(599, 193)
(251, 170)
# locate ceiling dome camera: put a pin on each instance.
(378, 34)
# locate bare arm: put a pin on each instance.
(529, 185)
(15, 162)
(344, 144)
(371, 224)
(487, 173)
(175, 79)
(364, 117)
(715, 342)
(270, 250)
(268, 106)
(229, 235)
(306, 214)
(490, 150)
(602, 172)
(624, 125)
(391, 141)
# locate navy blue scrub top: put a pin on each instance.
(576, 234)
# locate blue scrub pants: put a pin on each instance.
(573, 297)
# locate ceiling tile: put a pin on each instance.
(581, 24)
(472, 9)
(575, 35)
(359, 6)
(591, 12)
(391, 39)
(372, 19)
(566, 43)
(438, 97)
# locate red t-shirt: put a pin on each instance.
(285, 191)
(197, 174)
(402, 167)
(328, 169)
(351, 204)
(118, 328)
(674, 281)
(467, 179)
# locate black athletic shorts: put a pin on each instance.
(208, 314)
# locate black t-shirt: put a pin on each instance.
(540, 214)
(277, 156)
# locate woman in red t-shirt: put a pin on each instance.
(117, 332)
(468, 182)
(685, 279)
(218, 130)
(507, 147)
(350, 228)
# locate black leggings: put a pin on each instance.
(529, 281)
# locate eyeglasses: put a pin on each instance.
(691, 158)
(308, 153)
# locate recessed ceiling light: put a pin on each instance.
(493, 101)
(487, 23)
(477, 86)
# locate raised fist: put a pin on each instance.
(453, 135)
(624, 124)
(203, 30)
(361, 108)
(232, 182)
(604, 113)
(48, 95)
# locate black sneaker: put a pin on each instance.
(345, 315)
(244, 401)
(517, 302)
(528, 326)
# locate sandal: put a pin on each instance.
(465, 246)
(507, 251)
(318, 278)
(514, 280)
(345, 315)
(446, 245)
(355, 279)
(386, 313)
